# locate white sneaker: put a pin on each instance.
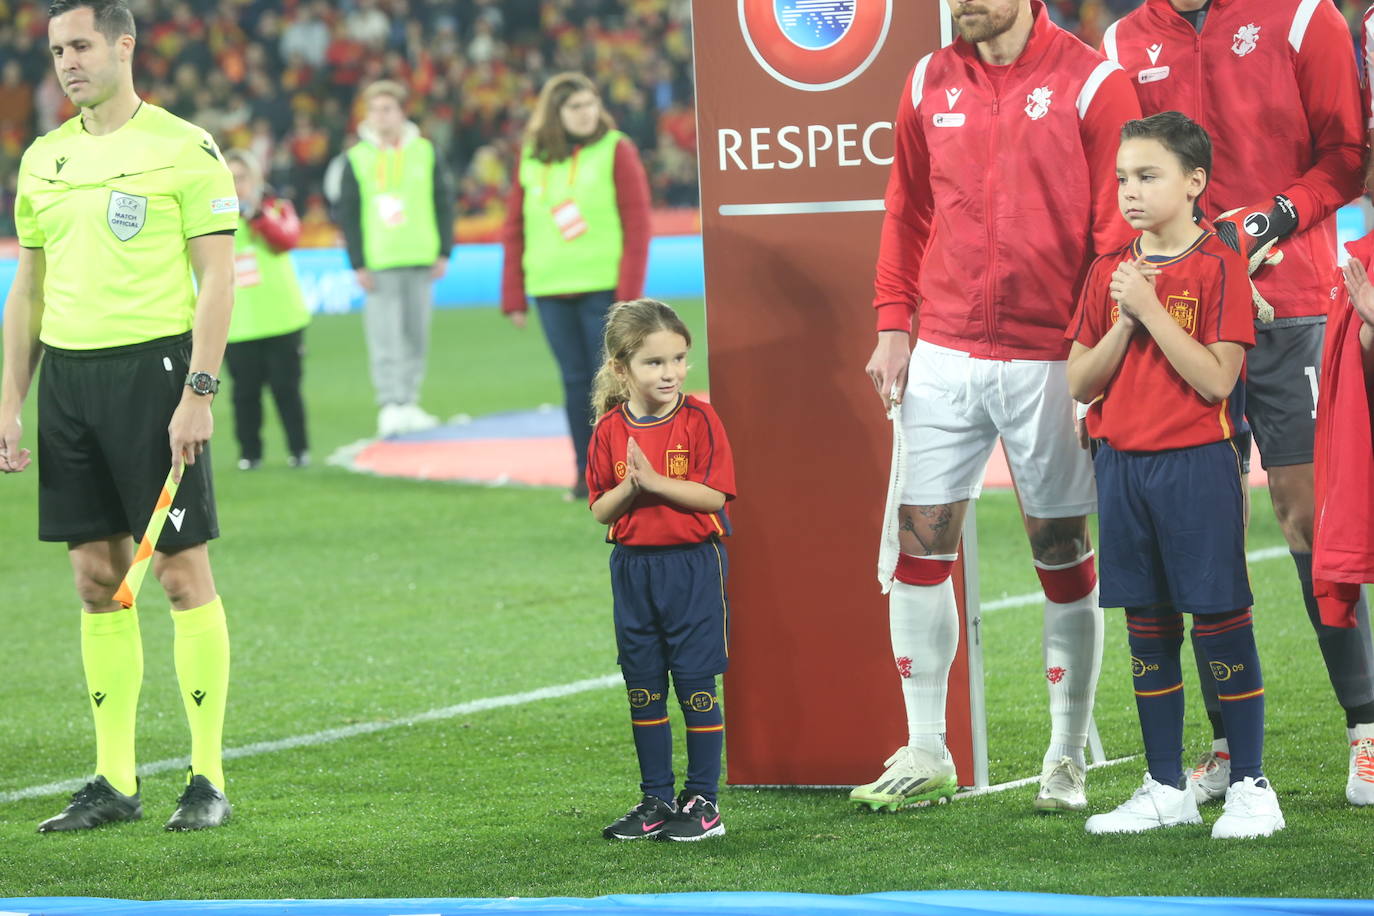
(1061, 787)
(1252, 810)
(417, 419)
(391, 421)
(1153, 805)
(1359, 785)
(1210, 777)
(912, 776)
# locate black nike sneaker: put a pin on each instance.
(644, 820)
(697, 818)
(200, 806)
(95, 803)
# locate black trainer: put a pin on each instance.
(696, 819)
(200, 806)
(646, 819)
(95, 803)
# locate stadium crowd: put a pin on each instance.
(281, 77)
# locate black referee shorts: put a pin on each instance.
(103, 448)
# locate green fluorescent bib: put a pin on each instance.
(267, 296)
(396, 191)
(573, 236)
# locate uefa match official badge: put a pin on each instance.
(126, 214)
(815, 45)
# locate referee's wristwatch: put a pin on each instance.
(202, 383)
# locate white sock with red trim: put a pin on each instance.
(1072, 652)
(925, 635)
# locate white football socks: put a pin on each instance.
(925, 636)
(1073, 660)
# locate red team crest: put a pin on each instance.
(904, 666)
(1055, 674)
(814, 45)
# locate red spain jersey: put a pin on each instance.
(1148, 406)
(688, 444)
(1275, 84)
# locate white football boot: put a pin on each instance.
(1210, 777)
(1359, 784)
(1061, 787)
(912, 776)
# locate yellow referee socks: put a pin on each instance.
(201, 649)
(112, 654)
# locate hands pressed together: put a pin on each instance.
(1133, 288)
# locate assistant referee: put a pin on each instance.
(116, 209)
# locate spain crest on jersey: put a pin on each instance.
(1183, 309)
(678, 463)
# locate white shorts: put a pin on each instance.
(955, 408)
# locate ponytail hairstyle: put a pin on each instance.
(628, 325)
(544, 135)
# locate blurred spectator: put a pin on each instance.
(576, 238)
(396, 212)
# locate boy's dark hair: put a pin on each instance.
(1179, 134)
(112, 17)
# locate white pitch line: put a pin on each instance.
(1032, 780)
(330, 735)
(1011, 601)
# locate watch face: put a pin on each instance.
(202, 383)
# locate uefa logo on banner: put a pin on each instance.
(815, 45)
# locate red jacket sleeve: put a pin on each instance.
(1114, 103)
(513, 247)
(908, 223)
(278, 224)
(1329, 82)
(632, 200)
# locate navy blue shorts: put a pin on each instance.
(1172, 529)
(671, 612)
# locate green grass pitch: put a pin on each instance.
(356, 600)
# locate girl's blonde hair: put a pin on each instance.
(628, 325)
(544, 135)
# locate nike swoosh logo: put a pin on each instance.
(707, 825)
(648, 827)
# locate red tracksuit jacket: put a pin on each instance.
(1002, 192)
(1275, 84)
(1343, 535)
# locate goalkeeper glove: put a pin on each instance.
(1248, 229)
(1253, 232)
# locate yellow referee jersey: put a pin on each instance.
(113, 214)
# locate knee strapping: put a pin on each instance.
(926, 571)
(1066, 583)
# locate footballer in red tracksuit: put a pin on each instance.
(1275, 84)
(1002, 191)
